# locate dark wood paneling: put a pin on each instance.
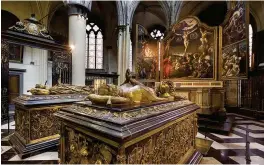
(4, 79)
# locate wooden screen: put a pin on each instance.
(4, 79)
(61, 68)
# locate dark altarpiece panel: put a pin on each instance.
(234, 42)
(61, 68)
(190, 50)
(147, 56)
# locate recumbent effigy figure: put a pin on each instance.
(130, 92)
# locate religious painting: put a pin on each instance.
(234, 42)
(146, 55)
(16, 53)
(189, 51)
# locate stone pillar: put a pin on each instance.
(120, 54)
(77, 11)
(123, 49)
(43, 66)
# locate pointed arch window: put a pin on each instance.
(94, 47)
(130, 57)
(250, 37)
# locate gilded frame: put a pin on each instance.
(215, 62)
(138, 54)
(235, 43)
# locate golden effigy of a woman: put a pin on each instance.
(131, 91)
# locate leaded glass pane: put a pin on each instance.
(99, 35)
(99, 54)
(99, 66)
(91, 47)
(86, 50)
(91, 53)
(96, 28)
(88, 27)
(91, 35)
(130, 56)
(99, 60)
(94, 53)
(91, 41)
(86, 59)
(91, 59)
(250, 44)
(91, 66)
(99, 41)
(99, 47)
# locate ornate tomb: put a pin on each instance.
(36, 129)
(161, 132)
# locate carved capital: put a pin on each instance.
(77, 7)
(121, 28)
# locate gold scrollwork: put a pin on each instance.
(167, 146)
(22, 124)
(43, 123)
(81, 149)
(120, 117)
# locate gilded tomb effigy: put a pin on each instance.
(128, 124)
(37, 129)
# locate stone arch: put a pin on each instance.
(134, 4)
(53, 7)
(121, 12)
(9, 19)
(255, 9)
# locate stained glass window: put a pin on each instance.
(130, 56)
(157, 34)
(250, 44)
(94, 47)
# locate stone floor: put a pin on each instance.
(224, 149)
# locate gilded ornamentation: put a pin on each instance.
(130, 92)
(81, 149)
(124, 117)
(43, 123)
(71, 89)
(31, 26)
(22, 124)
(24, 98)
(165, 147)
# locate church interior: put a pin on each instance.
(132, 82)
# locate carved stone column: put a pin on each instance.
(121, 51)
(77, 11)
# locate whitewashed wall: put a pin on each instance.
(37, 73)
